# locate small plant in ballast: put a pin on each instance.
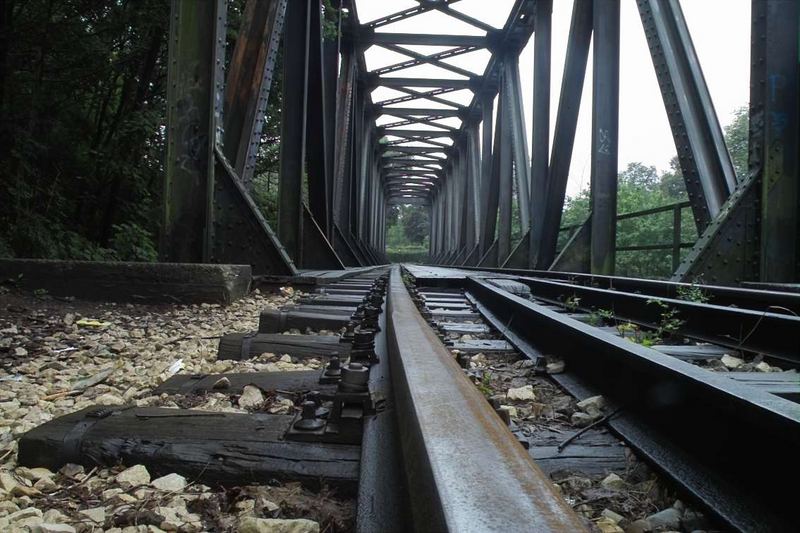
(668, 324)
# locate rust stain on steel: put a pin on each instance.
(466, 470)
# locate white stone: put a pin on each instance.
(611, 515)
(45, 484)
(581, 419)
(251, 397)
(53, 516)
(731, 362)
(109, 399)
(95, 514)
(763, 367)
(274, 525)
(668, 519)
(555, 367)
(170, 483)
(281, 406)
(613, 481)
(72, 470)
(56, 528)
(20, 352)
(592, 404)
(524, 393)
(511, 410)
(39, 473)
(24, 513)
(607, 525)
(7, 482)
(285, 358)
(133, 477)
(221, 383)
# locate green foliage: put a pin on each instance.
(669, 324)
(82, 106)
(641, 187)
(265, 195)
(407, 233)
(132, 242)
(571, 303)
(692, 293)
(736, 137)
(415, 224)
(598, 317)
(485, 385)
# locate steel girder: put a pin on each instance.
(248, 84)
(756, 236)
(605, 136)
(578, 41)
(355, 170)
(705, 163)
(208, 215)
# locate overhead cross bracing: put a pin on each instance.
(427, 87)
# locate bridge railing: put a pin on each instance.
(675, 245)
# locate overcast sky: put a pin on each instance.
(720, 30)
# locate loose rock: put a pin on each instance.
(593, 403)
(221, 383)
(524, 393)
(170, 483)
(133, 477)
(555, 367)
(274, 525)
(251, 397)
(614, 482)
(55, 528)
(666, 519)
(95, 514)
(731, 362)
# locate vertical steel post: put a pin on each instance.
(676, 237)
(488, 184)
(504, 156)
(293, 127)
(569, 103)
(188, 183)
(318, 119)
(512, 97)
(605, 135)
(540, 152)
(344, 137)
(775, 135)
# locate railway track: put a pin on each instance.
(697, 426)
(424, 414)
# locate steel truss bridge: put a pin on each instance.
(346, 156)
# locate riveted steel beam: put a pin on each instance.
(248, 83)
(370, 37)
(418, 112)
(578, 41)
(421, 82)
(605, 135)
(705, 163)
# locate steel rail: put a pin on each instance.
(748, 298)
(465, 470)
(726, 443)
(771, 334)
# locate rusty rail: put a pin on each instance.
(465, 470)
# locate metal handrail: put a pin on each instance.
(676, 245)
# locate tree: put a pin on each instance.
(736, 137)
(641, 187)
(415, 224)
